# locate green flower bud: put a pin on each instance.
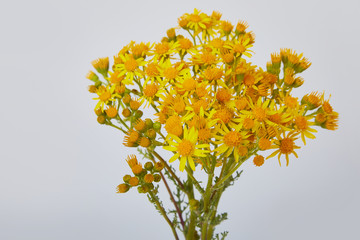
(157, 126)
(149, 123)
(138, 114)
(157, 178)
(148, 166)
(126, 178)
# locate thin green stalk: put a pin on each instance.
(169, 169)
(192, 223)
(119, 128)
(197, 184)
(163, 213)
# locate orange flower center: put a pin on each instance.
(301, 122)
(223, 95)
(152, 70)
(249, 80)
(131, 65)
(248, 123)
(150, 90)
(259, 113)
(225, 115)
(185, 43)
(170, 73)
(189, 84)
(162, 48)
(208, 58)
(105, 96)
(286, 145)
(204, 134)
(194, 18)
(232, 139)
(239, 48)
(276, 118)
(185, 148)
(264, 143)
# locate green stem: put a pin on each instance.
(192, 223)
(112, 125)
(169, 169)
(229, 174)
(197, 184)
(163, 213)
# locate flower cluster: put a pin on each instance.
(211, 106)
(208, 95)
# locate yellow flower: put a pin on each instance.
(186, 148)
(197, 21)
(302, 125)
(240, 46)
(130, 68)
(231, 141)
(286, 145)
(105, 96)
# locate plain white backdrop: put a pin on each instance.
(59, 167)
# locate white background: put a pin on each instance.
(59, 167)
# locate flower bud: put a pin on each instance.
(98, 111)
(149, 123)
(134, 181)
(157, 178)
(126, 99)
(126, 112)
(122, 188)
(171, 33)
(149, 178)
(157, 126)
(92, 88)
(148, 166)
(111, 112)
(159, 166)
(126, 178)
(151, 133)
(138, 114)
(101, 119)
(194, 204)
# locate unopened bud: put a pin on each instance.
(158, 166)
(148, 166)
(126, 99)
(138, 114)
(157, 126)
(126, 178)
(157, 178)
(151, 133)
(92, 88)
(101, 119)
(148, 123)
(126, 112)
(123, 188)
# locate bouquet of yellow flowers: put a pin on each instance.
(212, 111)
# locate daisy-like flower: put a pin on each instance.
(186, 148)
(286, 145)
(240, 46)
(151, 91)
(105, 96)
(197, 21)
(302, 124)
(130, 68)
(259, 112)
(231, 142)
(164, 50)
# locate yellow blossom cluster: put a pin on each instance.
(208, 98)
